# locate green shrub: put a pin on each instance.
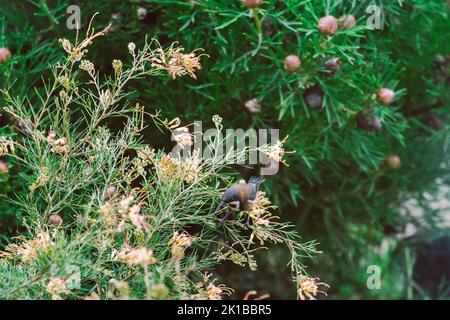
(108, 216)
(341, 186)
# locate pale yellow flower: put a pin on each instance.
(261, 217)
(179, 242)
(125, 203)
(276, 151)
(66, 45)
(106, 98)
(51, 137)
(147, 153)
(77, 51)
(177, 63)
(59, 145)
(41, 180)
(135, 256)
(131, 47)
(6, 146)
(309, 288)
(117, 66)
(182, 239)
(108, 214)
(183, 137)
(87, 66)
(253, 106)
(29, 249)
(56, 287)
(216, 292)
(120, 287)
(174, 123)
(137, 219)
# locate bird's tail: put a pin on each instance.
(256, 181)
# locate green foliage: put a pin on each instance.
(337, 188)
(108, 216)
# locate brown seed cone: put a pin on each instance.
(313, 97)
(332, 65)
(433, 122)
(368, 121)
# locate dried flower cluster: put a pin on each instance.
(58, 145)
(135, 256)
(209, 290)
(179, 242)
(41, 179)
(56, 287)
(28, 250)
(275, 152)
(118, 213)
(177, 63)
(78, 51)
(88, 67)
(183, 137)
(261, 218)
(187, 169)
(309, 287)
(6, 146)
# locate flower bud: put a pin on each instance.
(55, 220)
(385, 95)
(159, 292)
(5, 54)
(347, 21)
(177, 252)
(3, 167)
(292, 63)
(328, 25)
(393, 162)
(251, 3)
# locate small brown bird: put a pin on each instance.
(240, 195)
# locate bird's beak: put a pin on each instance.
(220, 206)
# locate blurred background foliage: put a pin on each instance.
(338, 188)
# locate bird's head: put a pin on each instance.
(231, 198)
